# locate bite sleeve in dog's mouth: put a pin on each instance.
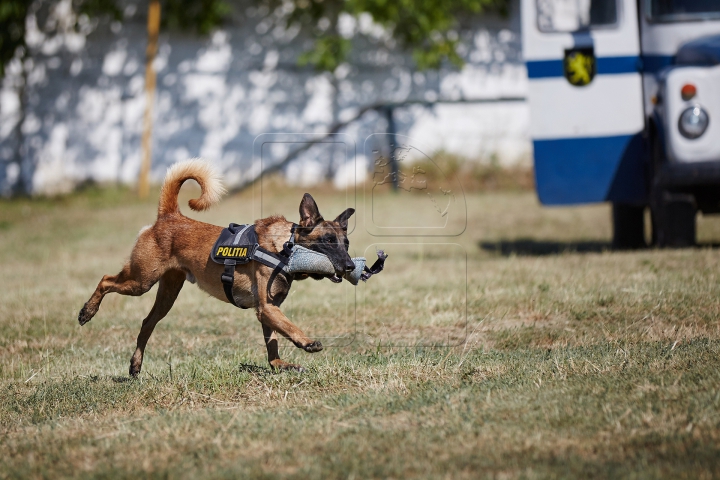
(304, 260)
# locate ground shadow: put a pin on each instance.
(529, 247)
(250, 368)
(122, 379)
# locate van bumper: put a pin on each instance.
(678, 175)
(701, 180)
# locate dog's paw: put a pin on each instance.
(315, 346)
(85, 315)
(281, 365)
(134, 370)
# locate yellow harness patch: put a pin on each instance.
(236, 244)
(232, 252)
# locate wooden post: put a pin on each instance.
(153, 27)
(391, 139)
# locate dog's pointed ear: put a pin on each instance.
(343, 218)
(309, 213)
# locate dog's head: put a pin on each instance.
(328, 238)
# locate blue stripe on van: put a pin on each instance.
(545, 68)
(594, 169)
(655, 63)
(618, 65)
(605, 66)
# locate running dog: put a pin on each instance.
(177, 248)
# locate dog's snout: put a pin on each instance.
(349, 266)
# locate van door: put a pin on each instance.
(586, 102)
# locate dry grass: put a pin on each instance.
(479, 174)
(551, 356)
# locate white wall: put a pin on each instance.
(85, 100)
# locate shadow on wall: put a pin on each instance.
(82, 114)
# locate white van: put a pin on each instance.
(625, 108)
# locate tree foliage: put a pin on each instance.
(12, 30)
(14, 14)
(427, 28)
(200, 16)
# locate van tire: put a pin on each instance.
(628, 226)
(673, 220)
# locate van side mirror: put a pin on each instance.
(563, 15)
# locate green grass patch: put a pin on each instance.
(571, 360)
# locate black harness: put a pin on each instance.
(238, 244)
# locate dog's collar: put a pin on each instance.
(288, 246)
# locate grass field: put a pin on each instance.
(526, 349)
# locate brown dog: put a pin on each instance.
(177, 248)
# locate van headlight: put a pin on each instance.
(693, 122)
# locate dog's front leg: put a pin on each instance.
(271, 343)
(271, 317)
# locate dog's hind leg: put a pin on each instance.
(271, 343)
(170, 285)
(133, 280)
(147, 264)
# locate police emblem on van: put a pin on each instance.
(579, 66)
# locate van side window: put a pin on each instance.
(575, 15)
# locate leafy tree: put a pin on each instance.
(200, 16)
(13, 18)
(12, 30)
(425, 27)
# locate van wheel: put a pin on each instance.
(628, 226)
(673, 219)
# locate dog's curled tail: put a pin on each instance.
(196, 169)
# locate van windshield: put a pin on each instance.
(678, 10)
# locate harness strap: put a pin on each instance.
(239, 234)
(270, 259)
(228, 278)
(288, 246)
